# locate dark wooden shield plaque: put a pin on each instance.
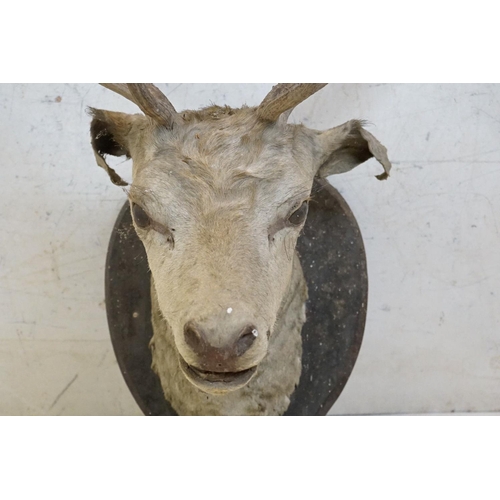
(333, 259)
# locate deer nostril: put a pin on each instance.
(247, 338)
(193, 338)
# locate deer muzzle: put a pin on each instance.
(222, 367)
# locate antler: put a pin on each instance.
(150, 99)
(285, 96)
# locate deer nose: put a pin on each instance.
(197, 338)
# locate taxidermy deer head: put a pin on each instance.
(218, 198)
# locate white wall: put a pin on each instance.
(431, 233)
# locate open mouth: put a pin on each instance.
(217, 382)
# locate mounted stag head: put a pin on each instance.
(219, 197)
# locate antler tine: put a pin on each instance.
(285, 96)
(119, 88)
(150, 99)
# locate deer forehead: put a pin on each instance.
(234, 144)
(184, 194)
(208, 166)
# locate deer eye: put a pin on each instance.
(141, 218)
(299, 216)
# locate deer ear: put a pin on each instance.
(344, 147)
(111, 134)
